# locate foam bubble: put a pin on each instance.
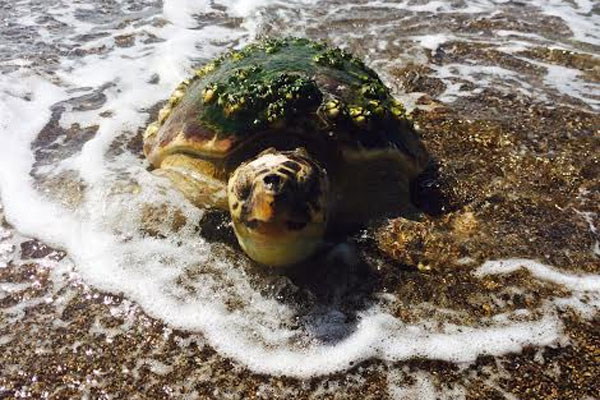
(569, 82)
(182, 12)
(432, 42)
(5, 339)
(421, 387)
(541, 272)
(584, 29)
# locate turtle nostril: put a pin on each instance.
(251, 224)
(272, 181)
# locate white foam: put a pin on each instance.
(182, 12)
(455, 75)
(421, 388)
(433, 6)
(574, 15)
(568, 81)
(541, 272)
(13, 287)
(511, 33)
(432, 42)
(7, 251)
(158, 367)
(5, 339)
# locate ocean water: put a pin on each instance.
(79, 82)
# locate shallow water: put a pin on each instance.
(119, 285)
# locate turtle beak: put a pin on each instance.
(266, 194)
(262, 207)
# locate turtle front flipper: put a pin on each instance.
(378, 186)
(195, 179)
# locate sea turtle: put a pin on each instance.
(295, 138)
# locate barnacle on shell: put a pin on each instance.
(164, 113)
(151, 130)
(270, 82)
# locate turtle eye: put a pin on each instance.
(242, 186)
(242, 190)
(272, 181)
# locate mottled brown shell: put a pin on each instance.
(283, 93)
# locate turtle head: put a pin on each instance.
(279, 205)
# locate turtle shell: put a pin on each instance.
(283, 93)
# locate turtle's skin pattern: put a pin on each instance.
(298, 91)
(296, 139)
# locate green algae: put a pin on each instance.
(274, 81)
